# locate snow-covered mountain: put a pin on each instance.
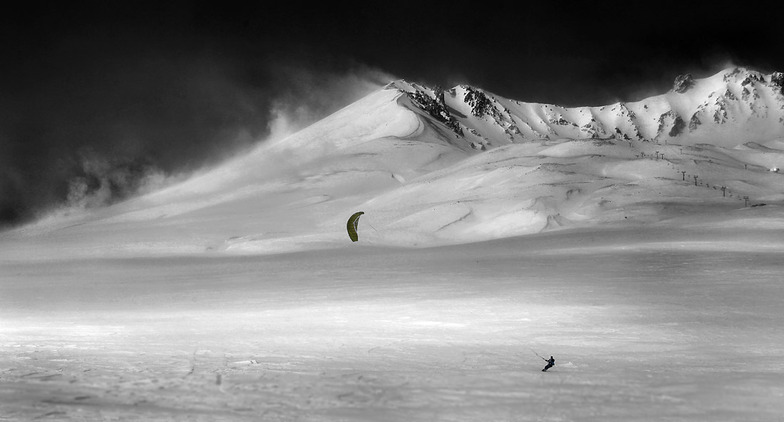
(431, 166)
(734, 105)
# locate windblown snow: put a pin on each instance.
(638, 242)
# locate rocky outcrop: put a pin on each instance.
(729, 75)
(720, 115)
(436, 107)
(665, 120)
(677, 127)
(480, 104)
(683, 83)
(488, 108)
(629, 117)
(694, 123)
(752, 77)
(777, 81)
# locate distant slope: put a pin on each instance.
(734, 106)
(432, 167)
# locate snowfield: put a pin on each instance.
(650, 267)
(640, 331)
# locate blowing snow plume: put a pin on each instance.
(96, 117)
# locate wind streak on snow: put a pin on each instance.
(467, 214)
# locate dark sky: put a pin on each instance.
(95, 96)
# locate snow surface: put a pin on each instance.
(237, 295)
(678, 326)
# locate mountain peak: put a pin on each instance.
(736, 103)
(740, 73)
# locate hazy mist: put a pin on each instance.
(90, 121)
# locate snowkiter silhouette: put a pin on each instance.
(550, 364)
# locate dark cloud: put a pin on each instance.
(174, 111)
(92, 109)
(576, 53)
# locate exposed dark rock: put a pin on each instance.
(622, 135)
(625, 110)
(436, 108)
(663, 121)
(694, 122)
(683, 83)
(744, 95)
(720, 116)
(734, 72)
(752, 78)
(480, 104)
(777, 81)
(677, 126)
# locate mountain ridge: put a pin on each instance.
(724, 105)
(431, 167)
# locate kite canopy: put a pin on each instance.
(351, 226)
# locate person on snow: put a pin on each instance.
(550, 364)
